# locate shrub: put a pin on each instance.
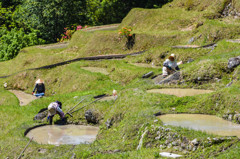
(67, 35)
(189, 4)
(126, 32)
(14, 40)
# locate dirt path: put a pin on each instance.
(186, 46)
(180, 92)
(23, 98)
(107, 98)
(102, 27)
(54, 46)
(234, 40)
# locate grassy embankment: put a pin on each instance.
(156, 31)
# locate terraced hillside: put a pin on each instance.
(198, 32)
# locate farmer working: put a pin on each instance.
(55, 108)
(170, 65)
(40, 88)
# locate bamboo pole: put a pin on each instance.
(25, 148)
(75, 107)
(87, 104)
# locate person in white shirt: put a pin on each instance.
(55, 108)
(170, 65)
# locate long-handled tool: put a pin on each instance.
(88, 104)
(75, 107)
(24, 148)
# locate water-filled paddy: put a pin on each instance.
(65, 134)
(180, 92)
(209, 123)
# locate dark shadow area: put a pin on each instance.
(29, 129)
(130, 42)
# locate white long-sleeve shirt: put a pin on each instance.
(171, 64)
(54, 108)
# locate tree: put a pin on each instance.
(51, 16)
(10, 3)
(113, 11)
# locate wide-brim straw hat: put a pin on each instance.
(39, 81)
(172, 56)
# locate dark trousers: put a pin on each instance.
(51, 118)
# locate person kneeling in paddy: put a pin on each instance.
(55, 108)
(170, 65)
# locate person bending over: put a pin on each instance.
(55, 108)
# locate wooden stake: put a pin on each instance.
(24, 148)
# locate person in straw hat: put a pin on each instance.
(39, 88)
(55, 108)
(170, 65)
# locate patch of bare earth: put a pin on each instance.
(180, 92)
(54, 46)
(189, 28)
(234, 40)
(186, 46)
(24, 98)
(102, 27)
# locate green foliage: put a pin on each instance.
(50, 17)
(113, 11)
(14, 40)
(6, 18)
(189, 4)
(67, 35)
(7, 98)
(10, 3)
(125, 31)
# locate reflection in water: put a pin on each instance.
(180, 92)
(208, 123)
(66, 134)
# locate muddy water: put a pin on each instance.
(107, 98)
(180, 92)
(66, 134)
(208, 123)
(187, 46)
(23, 97)
(96, 69)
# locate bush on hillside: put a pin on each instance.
(108, 11)
(51, 16)
(14, 40)
(126, 32)
(69, 31)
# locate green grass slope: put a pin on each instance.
(157, 30)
